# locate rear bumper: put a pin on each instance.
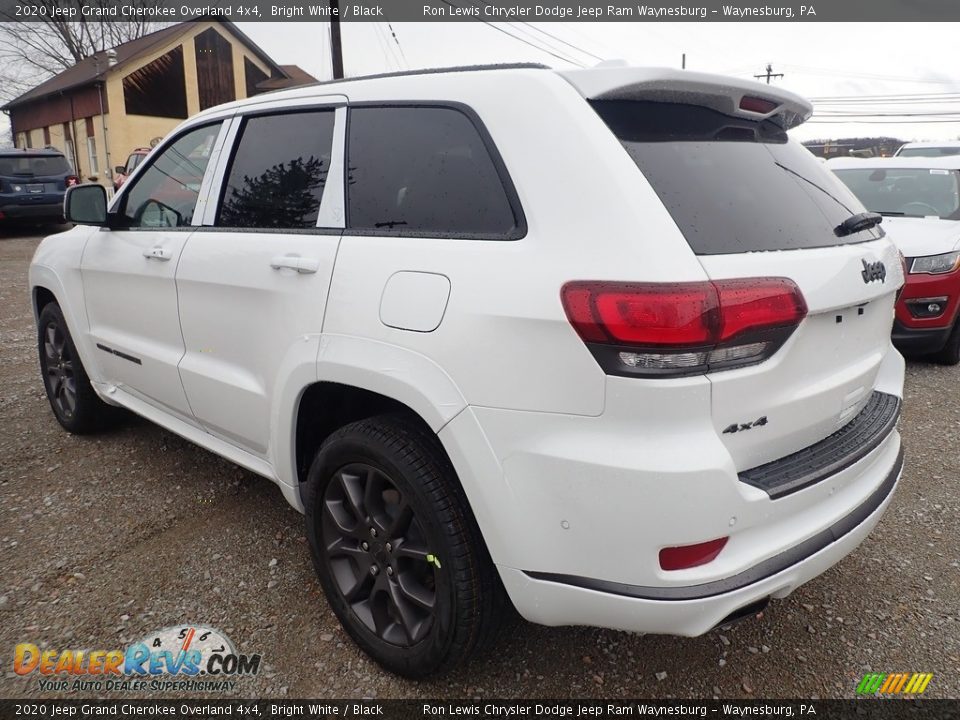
(919, 341)
(34, 210)
(575, 509)
(784, 562)
(692, 611)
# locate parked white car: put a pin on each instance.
(919, 198)
(601, 343)
(940, 148)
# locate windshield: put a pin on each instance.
(33, 165)
(928, 152)
(912, 192)
(733, 185)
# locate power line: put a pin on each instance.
(554, 37)
(520, 39)
(399, 46)
(839, 114)
(917, 96)
(806, 69)
(564, 53)
(561, 40)
(878, 122)
(389, 46)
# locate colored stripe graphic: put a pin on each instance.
(894, 683)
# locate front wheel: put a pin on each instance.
(397, 550)
(72, 399)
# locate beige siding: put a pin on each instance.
(129, 132)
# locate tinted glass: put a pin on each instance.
(165, 194)
(27, 166)
(421, 170)
(732, 185)
(278, 172)
(913, 192)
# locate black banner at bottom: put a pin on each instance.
(254, 709)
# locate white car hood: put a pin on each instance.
(916, 237)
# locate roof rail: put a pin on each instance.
(426, 71)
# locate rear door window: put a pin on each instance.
(278, 172)
(425, 171)
(733, 185)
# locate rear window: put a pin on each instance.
(733, 185)
(912, 192)
(34, 165)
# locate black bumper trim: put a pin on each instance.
(29, 212)
(848, 445)
(920, 341)
(761, 571)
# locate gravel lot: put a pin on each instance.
(105, 539)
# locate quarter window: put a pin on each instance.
(278, 173)
(165, 195)
(423, 171)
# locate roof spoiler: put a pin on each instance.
(728, 95)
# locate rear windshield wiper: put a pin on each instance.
(858, 222)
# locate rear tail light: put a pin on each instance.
(688, 556)
(662, 329)
(72, 180)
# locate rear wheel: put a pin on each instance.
(950, 354)
(72, 398)
(397, 550)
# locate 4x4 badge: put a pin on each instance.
(873, 271)
(740, 427)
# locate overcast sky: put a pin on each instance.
(817, 59)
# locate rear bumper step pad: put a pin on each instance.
(851, 443)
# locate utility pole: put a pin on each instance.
(683, 62)
(336, 47)
(769, 74)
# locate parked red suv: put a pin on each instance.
(919, 198)
(122, 172)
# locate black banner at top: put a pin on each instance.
(850, 11)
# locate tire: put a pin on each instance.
(73, 400)
(950, 354)
(381, 498)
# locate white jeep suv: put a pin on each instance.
(601, 343)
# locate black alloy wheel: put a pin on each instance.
(396, 547)
(59, 370)
(72, 398)
(378, 554)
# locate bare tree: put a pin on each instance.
(35, 49)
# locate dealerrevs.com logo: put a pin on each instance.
(185, 657)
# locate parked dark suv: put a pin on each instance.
(32, 184)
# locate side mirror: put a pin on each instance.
(86, 205)
(120, 169)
